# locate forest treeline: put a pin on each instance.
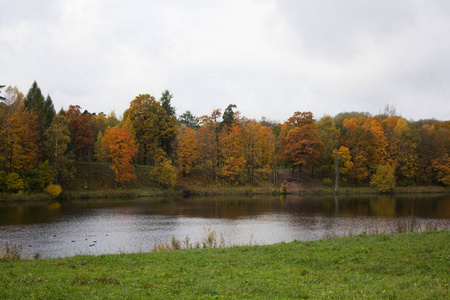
(39, 148)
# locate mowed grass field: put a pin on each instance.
(404, 266)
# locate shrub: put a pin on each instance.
(327, 182)
(53, 190)
(14, 183)
(384, 178)
(164, 174)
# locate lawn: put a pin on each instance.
(405, 266)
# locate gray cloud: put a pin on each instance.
(270, 58)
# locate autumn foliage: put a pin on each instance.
(120, 148)
(38, 148)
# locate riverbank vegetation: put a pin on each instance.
(405, 266)
(149, 148)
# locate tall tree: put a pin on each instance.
(258, 146)
(300, 141)
(120, 148)
(228, 117)
(83, 137)
(57, 139)
(186, 150)
(19, 137)
(189, 120)
(165, 99)
(155, 129)
(230, 147)
(208, 144)
(44, 108)
(329, 135)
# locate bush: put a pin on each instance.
(54, 190)
(384, 178)
(164, 174)
(327, 182)
(40, 177)
(14, 183)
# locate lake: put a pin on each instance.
(135, 225)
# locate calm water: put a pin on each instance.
(56, 230)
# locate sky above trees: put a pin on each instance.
(268, 57)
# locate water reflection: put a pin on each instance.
(66, 229)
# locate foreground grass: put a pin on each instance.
(407, 266)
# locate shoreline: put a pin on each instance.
(80, 195)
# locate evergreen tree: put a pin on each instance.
(44, 108)
(189, 120)
(165, 103)
(228, 116)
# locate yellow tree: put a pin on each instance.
(186, 149)
(208, 144)
(384, 178)
(19, 138)
(258, 146)
(155, 129)
(230, 148)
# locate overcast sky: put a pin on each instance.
(270, 58)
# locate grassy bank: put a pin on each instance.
(96, 181)
(406, 266)
(125, 193)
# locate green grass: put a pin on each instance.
(406, 266)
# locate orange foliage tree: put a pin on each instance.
(208, 144)
(230, 145)
(120, 148)
(300, 141)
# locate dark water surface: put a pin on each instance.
(134, 225)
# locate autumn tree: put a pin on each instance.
(329, 135)
(384, 178)
(83, 137)
(401, 149)
(230, 149)
(112, 119)
(431, 146)
(300, 141)
(99, 154)
(19, 138)
(442, 168)
(57, 139)
(98, 123)
(186, 150)
(155, 129)
(164, 174)
(120, 148)
(258, 146)
(208, 144)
